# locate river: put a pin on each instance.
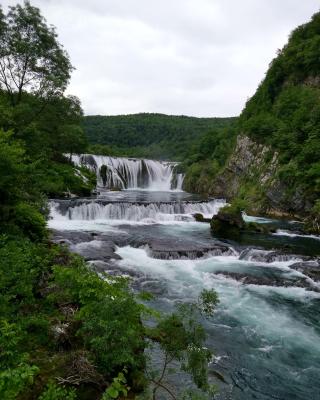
(265, 333)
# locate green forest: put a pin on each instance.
(158, 136)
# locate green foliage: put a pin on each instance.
(148, 135)
(11, 168)
(14, 380)
(15, 372)
(104, 150)
(207, 302)
(56, 392)
(43, 123)
(22, 266)
(284, 112)
(206, 158)
(117, 388)
(31, 58)
(182, 338)
(312, 222)
(36, 282)
(236, 207)
(60, 179)
(30, 221)
(111, 328)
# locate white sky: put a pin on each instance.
(192, 57)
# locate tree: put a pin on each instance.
(182, 340)
(31, 58)
(12, 169)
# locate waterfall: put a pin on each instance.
(131, 173)
(175, 211)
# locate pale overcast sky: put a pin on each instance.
(192, 57)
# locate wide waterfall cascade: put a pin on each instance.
(132, 173)
(153, 212)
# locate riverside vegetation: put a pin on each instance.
(269, 158)
(66, 333)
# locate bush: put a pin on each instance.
(110, 317)
(30, 221)
(56, 392)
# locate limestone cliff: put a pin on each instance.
(252, 172)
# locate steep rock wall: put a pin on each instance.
(252, 172)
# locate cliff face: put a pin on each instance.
(251, 172)
(249, 161)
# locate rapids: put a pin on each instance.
(265, 333)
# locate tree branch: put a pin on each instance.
(165, 388)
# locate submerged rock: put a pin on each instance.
(200, 218)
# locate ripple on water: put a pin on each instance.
(265, 349)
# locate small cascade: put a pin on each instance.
(267, 256)
(190, 253)
(180, 178)
(95, 210)
(131, 173)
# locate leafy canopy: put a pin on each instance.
(31, 58)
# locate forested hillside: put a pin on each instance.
(149, 135)
(278, 167)
(285, 110)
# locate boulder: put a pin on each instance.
(200, 218)
(229, 220)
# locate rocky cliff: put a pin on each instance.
(252, 173)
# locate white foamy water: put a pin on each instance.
(145, 213)
(260, 220)
(247, 304)
(281, 232)
(132, 173)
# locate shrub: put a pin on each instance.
(56, 392)
(30, 221)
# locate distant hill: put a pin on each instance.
(150, 135)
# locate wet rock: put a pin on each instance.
(200, 218)
(227, 220)
(103, 174)
(182, 249)
(154, 287)
(96, 250)
(100, 266)
(70, 237)
(266, 256)
(265, 280)
(309, 268)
